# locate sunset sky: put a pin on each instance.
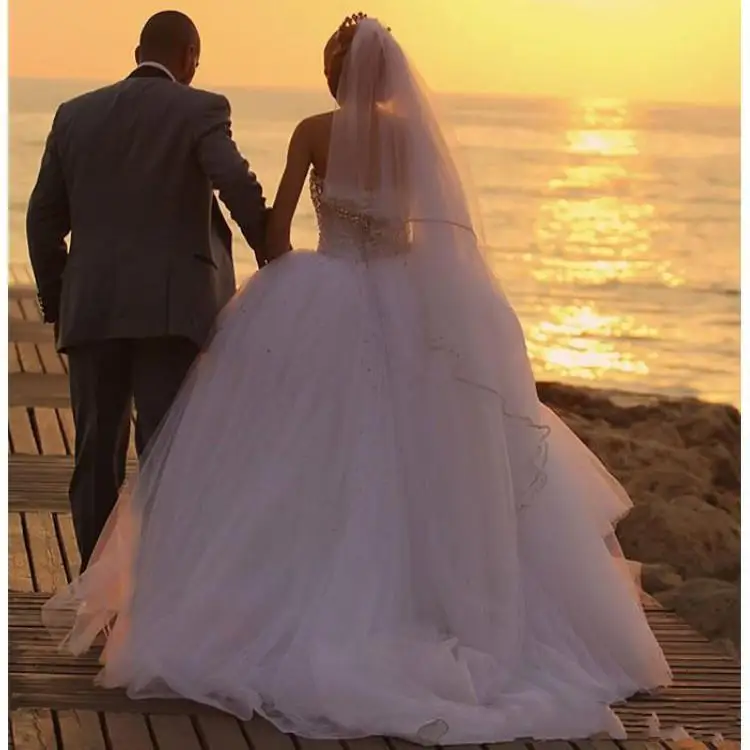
(658, 50)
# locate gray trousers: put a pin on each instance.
(106, 378)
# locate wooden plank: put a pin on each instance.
(68, 427)
(306, 744)
(68, 545)
(399, 744)
(52, 361)
(28, 331)
(30, 307)
(41, 482)
(81, 730)
(77, 691)
(689, 710)
(14, 359)
(221, 732)
(21, 276)
(31, 648)
(373, 743)
(174, 733)
(22, 439)
(32, 729)
(126, 731)
(22, 291)
(15, 313)
(68, 445)
(38, 389)
(48, 432)
(46, 556)
(701, 729)
(716, 683)
(21, 501)
(19, 572)
(87, 730)
(263, 735)
(31, 466)
(680, 693)
(29, 356)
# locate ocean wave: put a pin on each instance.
(625, 187)
(640, 291)
(696, 289)
(631, 286)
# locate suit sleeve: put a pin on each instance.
(47, 226)
(229, 172)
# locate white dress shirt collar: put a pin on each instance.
(151, 64)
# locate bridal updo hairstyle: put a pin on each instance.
(337, 51)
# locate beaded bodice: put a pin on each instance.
(347, 232)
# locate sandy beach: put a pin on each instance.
(679, 459)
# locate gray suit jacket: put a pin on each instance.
(130, 172)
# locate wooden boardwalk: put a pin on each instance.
(54, 702)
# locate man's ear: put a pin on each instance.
(138, 55)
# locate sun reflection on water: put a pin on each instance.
(591, 232)
(579, 342)
(604, 142)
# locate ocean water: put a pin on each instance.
(613, 226)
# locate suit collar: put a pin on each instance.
(150, 69)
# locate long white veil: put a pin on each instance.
(390, 156)
(386, 139)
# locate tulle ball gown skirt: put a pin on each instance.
(335, 530)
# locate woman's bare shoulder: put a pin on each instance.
(316, 132)
(311, 132)
(317, 122)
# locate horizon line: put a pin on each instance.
(440, 92)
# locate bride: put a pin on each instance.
(357, 518)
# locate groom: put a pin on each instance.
(130, 172)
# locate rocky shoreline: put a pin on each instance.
(679, 459)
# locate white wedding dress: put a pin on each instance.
(345, 528)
